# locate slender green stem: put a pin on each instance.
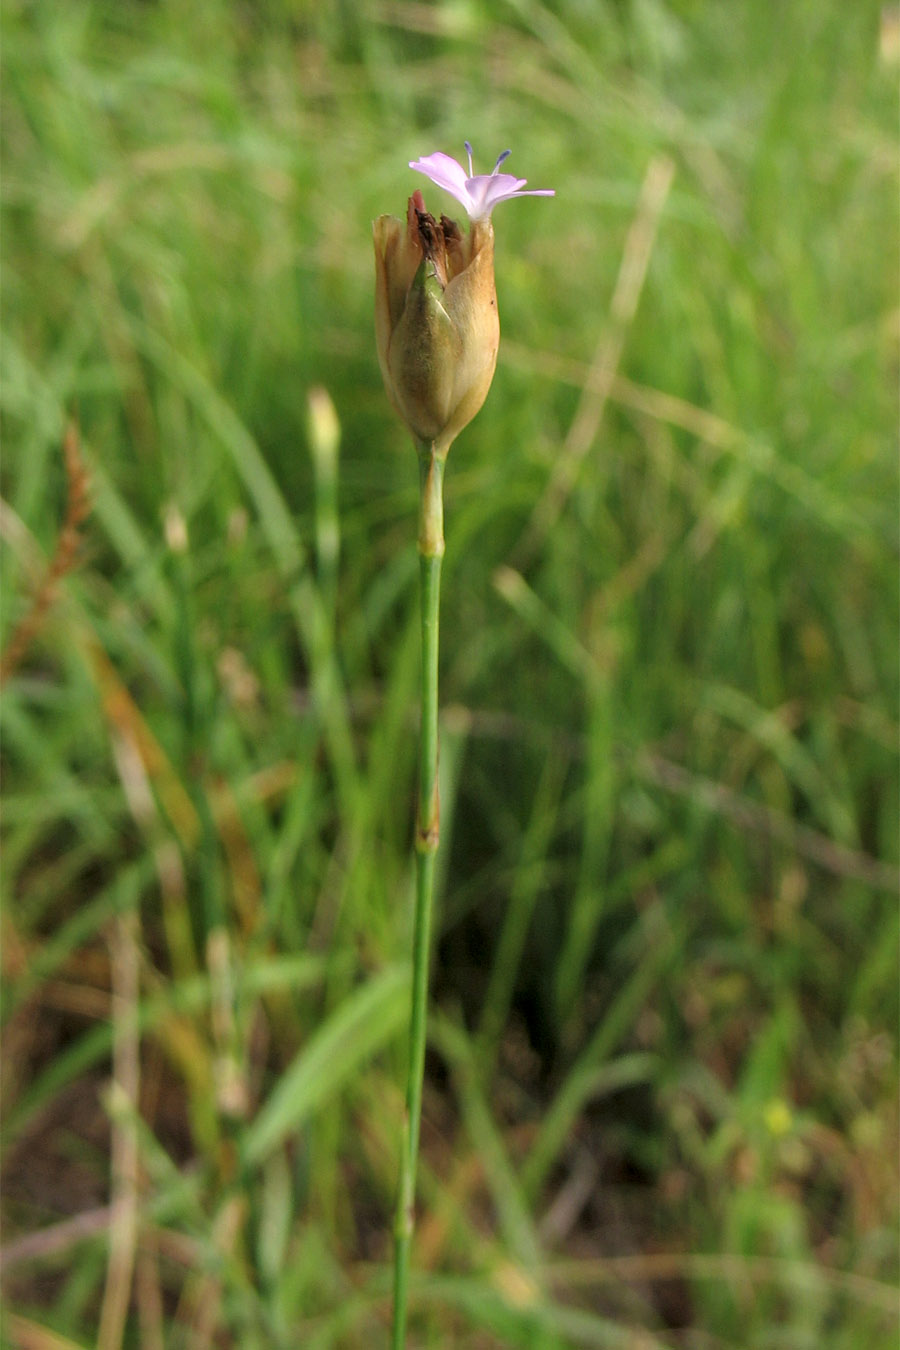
(431, 552)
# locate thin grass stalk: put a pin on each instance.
(431, 553)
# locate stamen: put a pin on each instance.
(500, 158)
(469, 153)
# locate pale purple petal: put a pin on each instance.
(488, 189)
(444, 171)
(480, 193)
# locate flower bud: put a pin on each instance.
(436, 321)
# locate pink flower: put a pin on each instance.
(478, 193)
(436, 324)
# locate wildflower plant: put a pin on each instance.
(437, 331)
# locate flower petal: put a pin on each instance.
(480, 193)
(447, 173)
(488, 189)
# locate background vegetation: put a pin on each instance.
(661, 1104)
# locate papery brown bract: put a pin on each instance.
(436, 321)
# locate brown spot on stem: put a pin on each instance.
(428, 832)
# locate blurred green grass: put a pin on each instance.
(661, 1097)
